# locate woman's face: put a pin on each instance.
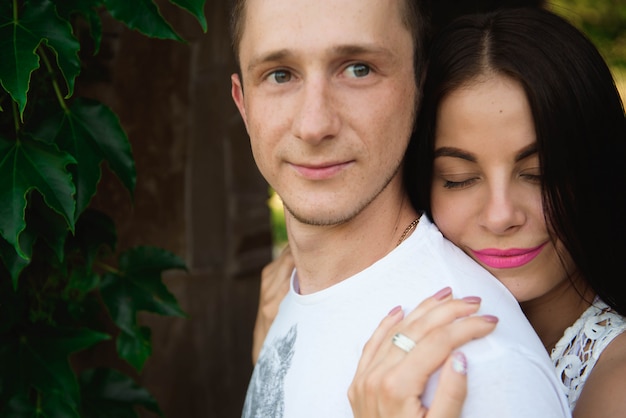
(486, 194)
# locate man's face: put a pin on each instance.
(328, 97)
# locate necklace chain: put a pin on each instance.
(408, 229)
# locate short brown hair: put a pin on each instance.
(412, 16)
(237, 17)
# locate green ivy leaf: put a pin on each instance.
(143, 16)
(19, 39)
(26, 165)
(133, 343)
(91, 132)
(39, 359)
(196, 8)
(57, 405)
(50, 406)
(138, 287)
(47, 225)
(99, 124)
(109, 393)
(41, 19)
(13, 262)
(19, 60)
(148, 263)
(88, 9)
(19, 406)
(82, 281)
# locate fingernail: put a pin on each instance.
(472, 299)
(443, 293)
(394, 310)
(491, 318)
(459, 363)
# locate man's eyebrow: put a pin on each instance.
(361, 50)
(340, 50)
(278, 55)
(455, 152)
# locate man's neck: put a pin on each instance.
(327, 255)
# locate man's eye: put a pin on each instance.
(358, 70)
(280, 76)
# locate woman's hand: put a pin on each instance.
(389, 381)
(274, 286)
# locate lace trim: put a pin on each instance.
(576, 353)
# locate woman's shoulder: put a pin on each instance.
(603, 393)
(576, 355)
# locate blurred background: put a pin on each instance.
(200, 196)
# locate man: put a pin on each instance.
(328, 94)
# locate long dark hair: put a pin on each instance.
(579, 123)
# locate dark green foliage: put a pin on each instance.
(61, 290)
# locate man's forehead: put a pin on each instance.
(275, 27)
(267, 15)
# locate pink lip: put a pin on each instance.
(507, 259)
(320, 171)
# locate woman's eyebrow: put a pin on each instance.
(455, 153)
(526, 152)
(465, 155)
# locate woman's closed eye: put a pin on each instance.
(459, 184)
(532, 175)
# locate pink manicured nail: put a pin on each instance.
(490, 318)
(443, 293)
(395, 310)
(459, 363)
(472, 299)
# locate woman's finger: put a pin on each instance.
(357, 390)
(390, 381)
(451, 388)
(432, 350)
(415, 327)
(394, 387)
(384, 329)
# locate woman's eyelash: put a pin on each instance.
(457, 184)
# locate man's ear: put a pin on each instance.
(237, 92)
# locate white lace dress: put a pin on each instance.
(576, 353)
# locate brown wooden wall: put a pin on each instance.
(198, 195)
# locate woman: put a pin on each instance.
(518, 160)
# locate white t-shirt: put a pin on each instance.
(312, 350)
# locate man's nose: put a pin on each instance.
(317, 118)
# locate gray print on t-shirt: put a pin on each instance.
(266, 393)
